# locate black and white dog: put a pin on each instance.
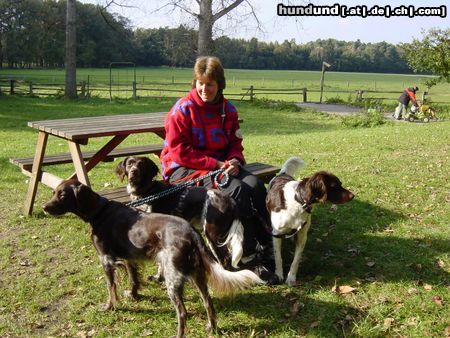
(210, 211)
(289, 203)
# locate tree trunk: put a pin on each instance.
(71, 56)
(205, 24)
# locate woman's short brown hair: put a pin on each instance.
(210, 67)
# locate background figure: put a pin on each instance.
(409, 94)
(202, 135)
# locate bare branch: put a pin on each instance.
(226, 10)
(176, 4)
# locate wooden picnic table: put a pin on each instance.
(78, 131)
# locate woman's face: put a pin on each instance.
(206, 89)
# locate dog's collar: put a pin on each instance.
(292, 233)
(305, 205)
(102, 203)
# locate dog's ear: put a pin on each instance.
(121, 170)
(85, 198)
(315, 189)
(151, 169)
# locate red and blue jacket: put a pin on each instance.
(198, 134)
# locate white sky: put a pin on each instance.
(302, 29)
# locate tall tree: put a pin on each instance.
(431, 54)
(206, 13)
(71, 51)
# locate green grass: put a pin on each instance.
(237, 79)
(391, 243)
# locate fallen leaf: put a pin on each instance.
(388, 323)
(447, 331)
(343, 289)
(428, 287)
(440, 263)
(412, 291)
(438, 300)
(295, 308)
(314, 324)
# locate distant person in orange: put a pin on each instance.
(409, 94)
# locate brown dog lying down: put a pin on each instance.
(123, 235)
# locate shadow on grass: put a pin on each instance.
(289, 312)
(362, 241)
(353, 245)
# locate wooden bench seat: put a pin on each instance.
(26, 163)
(264, 171)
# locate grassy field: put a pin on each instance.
(238, 79)
(392, 243)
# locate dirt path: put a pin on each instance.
(339, 109)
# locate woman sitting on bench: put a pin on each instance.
(202, 135)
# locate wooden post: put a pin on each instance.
(87, 90)
(30, 87)
(325, 65)
(12, 83)
(359, 95)
(134, 90)
(304, 92)
(424, 96)
(83, 88)
(251, 93)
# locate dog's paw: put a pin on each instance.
(131, 295)
(291, 281)
(156, 278)
(107, 307)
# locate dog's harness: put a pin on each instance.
(218, 175)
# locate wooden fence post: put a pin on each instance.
(359, 95)
(305, 97)
(30, 87)
(134, 90)
(11, 86)
(251, 93)
(87, 90)
(83, 88)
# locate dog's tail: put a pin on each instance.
(291, 166)
(234, 242)
(222, 281)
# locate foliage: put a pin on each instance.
(367, 119)
(431, 54)
(32, 35)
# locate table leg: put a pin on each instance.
(35, 172)
(78, 162)
(101, 154)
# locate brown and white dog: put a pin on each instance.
(123, 236)
(289, 203)
(210, 211)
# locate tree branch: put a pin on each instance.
(226, 10)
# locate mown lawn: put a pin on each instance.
(391, 243)
(342, 85)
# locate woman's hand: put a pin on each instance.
(231, 167)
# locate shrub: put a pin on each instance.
(366, 119)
